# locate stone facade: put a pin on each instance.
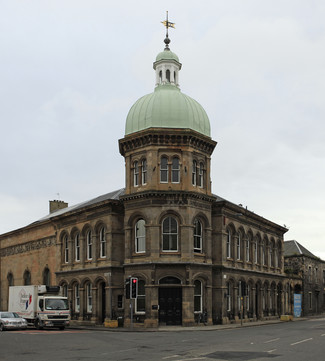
(197, 257)
(302, 265)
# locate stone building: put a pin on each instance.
(300, 264)
(196, 255)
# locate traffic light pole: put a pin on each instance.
(131, 310)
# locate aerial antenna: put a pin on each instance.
(167, 24)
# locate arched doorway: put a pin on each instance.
(170, 301)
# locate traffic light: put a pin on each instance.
(134, 287)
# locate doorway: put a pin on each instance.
(170, 306)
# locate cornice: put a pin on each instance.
(166, 137)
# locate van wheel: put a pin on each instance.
(38, 326)
(62, 328)
(1, 327)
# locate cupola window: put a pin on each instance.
(175, 170)
(144, 171)
(136, 173)
(163, 170)
(201, 175)
(168, 75)
(194, 172)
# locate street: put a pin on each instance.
(290, 341)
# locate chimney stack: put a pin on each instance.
(56, 205)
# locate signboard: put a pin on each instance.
(297, 304)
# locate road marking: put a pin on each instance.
(274, 339)
(192, 359)
(271, 350)
(296, 343)
(167, 357)
(323, 334)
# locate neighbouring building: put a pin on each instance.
(301, 264)
(196, 255)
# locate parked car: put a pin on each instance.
(11, 321)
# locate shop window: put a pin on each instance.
(89, 298)
(197, 296)
(76, 298)
(140, 304)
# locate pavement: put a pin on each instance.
(192, 328)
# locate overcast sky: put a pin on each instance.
(70, 71)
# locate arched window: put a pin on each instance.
(77, 247)
(27, 278)
(263, 253)
(144, 171)
(10, 279)
(89, 298)
(175, 170)
(46, 277)
(160, 77)
(168, 75)
(136, 173)
(76, 295)
(65, 290)
(102, 241)
(194, 167)
(197, 296)
(238, 246)
(66, 249)
(170, 234)
(275, 256)
(201, 171)
(229, 245)
(175, 78)
(197, 236)
(163, 170)
(255, 252)
(89, 246)
(140, 304)
(248, 242)
(140, 236)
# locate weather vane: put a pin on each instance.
(167, 24)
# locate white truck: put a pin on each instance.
(42, 306)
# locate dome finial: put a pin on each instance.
(167, 24)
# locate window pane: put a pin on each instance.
(175, 170)
(164, 170)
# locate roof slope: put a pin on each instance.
(293, 248)
(115, 195)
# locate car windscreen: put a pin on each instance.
(56, 304)
(7, 315)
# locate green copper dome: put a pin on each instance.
(167, 107)
(167, 55)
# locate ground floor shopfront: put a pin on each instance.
(176, 295)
